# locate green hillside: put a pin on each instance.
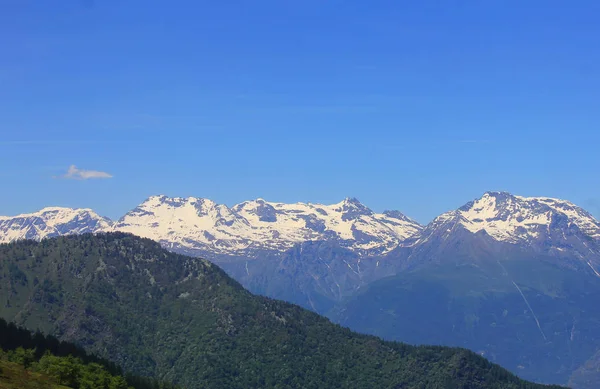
(185, 321)
(15, 376)
(18, 370)
(34, 360)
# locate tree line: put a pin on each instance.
(67, 363)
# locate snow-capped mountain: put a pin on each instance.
(513, 278)
(195, 224)
(201, 226)
(516, 219)
(543, 225)
(50, 222)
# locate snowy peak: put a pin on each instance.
(175, 202)
(198, 225)
(191, 224)
(441, 228)
(580, 217)
(517, 219)
(181, 221)
(259, 209)
(502, 225)
(50, 222)
(352, 209)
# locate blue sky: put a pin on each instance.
(417, 106)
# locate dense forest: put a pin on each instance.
(20, 369)
(183, 320)
(23, 354)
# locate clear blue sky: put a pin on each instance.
(419, 106)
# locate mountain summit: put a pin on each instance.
(50, 222)
(520, 219)
(498, 221)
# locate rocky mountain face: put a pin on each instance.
(316, 275)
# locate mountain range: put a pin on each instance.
(197, 225)
(492, 275)
(202, 226)
(316, 255)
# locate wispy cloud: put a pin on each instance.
(75, 173)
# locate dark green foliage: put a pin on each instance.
(67, 363)
(184, 320)
(67, 371)
(13, 338)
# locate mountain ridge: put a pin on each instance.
(51, 221)
(506, 217)
(201, 225)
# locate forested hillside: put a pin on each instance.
(184, 320)
(34, 360)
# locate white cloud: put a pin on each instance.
(80, 174)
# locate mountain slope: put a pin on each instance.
(43, 360)
(511, 277)
(526, 314)
(314, 275)
(184, 320)
(544, 225)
